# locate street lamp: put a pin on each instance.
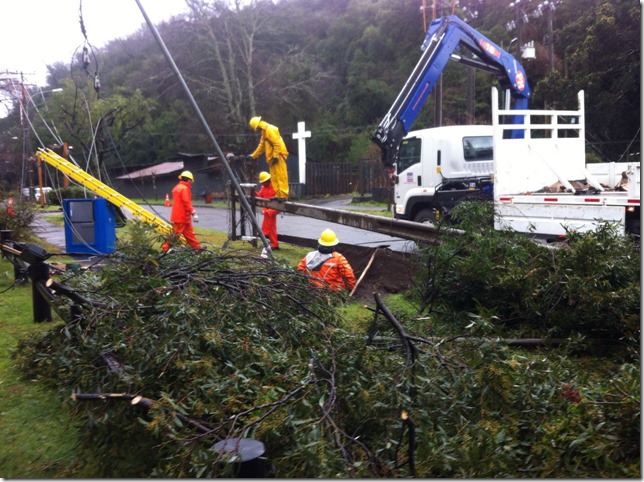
(510, 45)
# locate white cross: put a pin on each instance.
(301, 135)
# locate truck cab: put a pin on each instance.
(438, 167)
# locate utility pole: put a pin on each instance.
(438, 88)
(469, 107)
(551, 40)
(26, 140)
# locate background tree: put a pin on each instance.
(600, 44)
(338, 65)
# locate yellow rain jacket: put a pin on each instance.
(272, 146)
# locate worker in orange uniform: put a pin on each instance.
(183, 213)
(328, 267)
(269, 225)
(272, 146)
(10, 210)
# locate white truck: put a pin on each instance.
(539, 180)
(542, 184)
(530, 162)
(26, 192)
(439, 167)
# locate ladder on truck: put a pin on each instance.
(103, 190)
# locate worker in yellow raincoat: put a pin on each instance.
(272, 146)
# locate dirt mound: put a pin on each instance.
(389, 272)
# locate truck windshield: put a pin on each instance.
(409, 153)
(477, 148)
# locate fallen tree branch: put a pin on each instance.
(432, 340)
(408, 423)
(73, 295)
(139, 400)
(408, 345)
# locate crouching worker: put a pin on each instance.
(328, 267)
(183, 214)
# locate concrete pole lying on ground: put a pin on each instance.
(202, 119)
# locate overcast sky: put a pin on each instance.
(35, 33)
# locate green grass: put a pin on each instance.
(358, 319)
(384, 213)
(38, 436)
(56, 219)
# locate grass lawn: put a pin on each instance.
(38, 438)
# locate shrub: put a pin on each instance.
(20, 223)
(70, 192)
(589, 285)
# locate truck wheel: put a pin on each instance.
(426, 216)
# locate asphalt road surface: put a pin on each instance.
(293, 225)
(218, 219)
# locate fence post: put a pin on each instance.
(39, 273)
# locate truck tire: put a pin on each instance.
(426, 216)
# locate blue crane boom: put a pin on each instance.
(445, 36)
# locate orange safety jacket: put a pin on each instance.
(269, 224)
(332, 269)
(267, 192)
(182, 209)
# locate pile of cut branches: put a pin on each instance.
(167, 355)
(587, 285)
(226, 344)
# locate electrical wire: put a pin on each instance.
(87, 48)
(628, 147)
(17, 282)
(26, 140)
(141, 195)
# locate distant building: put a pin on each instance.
(211, 176)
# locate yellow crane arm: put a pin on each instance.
(103, 190)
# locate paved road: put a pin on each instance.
(293, 225)
(288, 224)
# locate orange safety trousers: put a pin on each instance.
(269, 226)
(187, 231)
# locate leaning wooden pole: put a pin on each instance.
(364, 272)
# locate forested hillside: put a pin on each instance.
(337, 65)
